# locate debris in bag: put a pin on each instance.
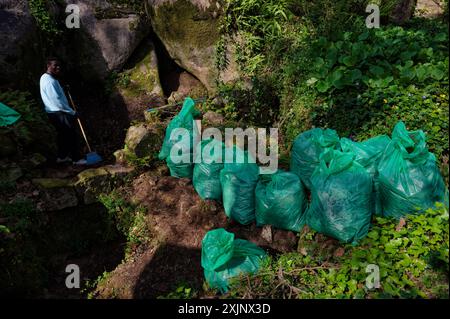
(224, 257)
(307, 149)
(280, 201)
(409, 179)
(368, 154)
(179, 139)
(341, 193)
(210, 156)
(238, 182)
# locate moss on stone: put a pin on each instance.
(182, 22)
(142, 78)
(88, 174)
(50, 183)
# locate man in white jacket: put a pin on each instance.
(61, 115)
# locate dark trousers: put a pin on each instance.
(67, 136)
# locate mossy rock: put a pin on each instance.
(141, 76)
(144, 140)
(95, 181)
(50, 183)
(190, 30)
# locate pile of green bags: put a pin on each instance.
(238, 182)
(280, 201)
(181, 136)
(408, 177)
(307, 149)
(341, 195)
(349, 181)
(209, 160)
(224, 257)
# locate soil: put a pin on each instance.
(178, 219)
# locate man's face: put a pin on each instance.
(54, 68)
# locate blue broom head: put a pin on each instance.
(93, 158)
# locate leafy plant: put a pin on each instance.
(40, 11)
(412, 258)
(127, 218)
(32, 132)
(183, 291)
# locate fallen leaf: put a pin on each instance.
(400, 225)
(303, 251)
(339, 252)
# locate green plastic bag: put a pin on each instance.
(7, 115)
(368, 154)
(224, 257)
(207, 169)
(280, 201)
(341, 205)
(180, 170)
(408, 177)
(307, 149)
(238, 182)
(185, 131)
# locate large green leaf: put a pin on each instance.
(355, 75)
(421, 72)
(437, 73)
(376, 70)
(323, 86)
(349, 60)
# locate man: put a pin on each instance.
(60, 114)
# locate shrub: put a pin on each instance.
(412, 258)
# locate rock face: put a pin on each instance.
(56, 194)
(18, 38)
(106, 43)
(93, 182)
(144, 140)
(139, 84)
(189, 86)
(189, 29)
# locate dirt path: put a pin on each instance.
(178, 219)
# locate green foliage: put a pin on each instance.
(323, 67)
(377, 59)
(183, 291)
(91, 285)
(412, 260)
(138, 162)
(250, 105)
(32, 132)
(366, 82)
(22, 267)
(45, 22)
(21, 215)
(128, 218)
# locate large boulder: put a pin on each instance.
(95, 181)
(189, 86)
(139, 86)
(56, 194)
(189, 30)
(19, 43)
(144, 140)
(107, 40)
